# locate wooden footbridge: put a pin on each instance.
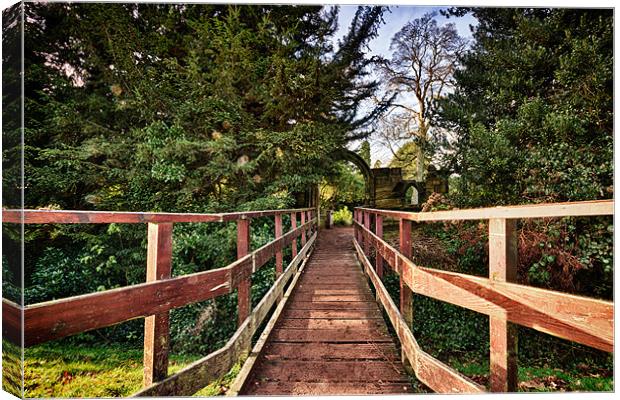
(325, 331)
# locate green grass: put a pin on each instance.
(11, 368)
(546, 379)
(53, 370)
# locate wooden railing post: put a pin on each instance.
(315, 226)
(361, 217)
(367, 226)
(406, 295)
(360, 220)
(356, 218)
(245, 286)
(303, 231)
(293, 227)
(279, 258)
(156, 330)
(278, 233)
(503, 335)
(379, 233)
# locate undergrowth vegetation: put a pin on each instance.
(343, 217)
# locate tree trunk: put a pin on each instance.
(420, 162)
(423, 130)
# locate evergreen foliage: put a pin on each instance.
(173, 108)
(533, 107)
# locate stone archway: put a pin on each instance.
(404, 190)
(385, 187)
(360, 163)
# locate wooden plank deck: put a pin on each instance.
(331, 337)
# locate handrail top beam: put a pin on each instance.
(128, 217)
(545, 210)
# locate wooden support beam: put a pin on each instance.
(360, 219)
(379, 233)
(503, 334)
(245, 286)
(356, 219)
(279, 258)
(278, 233)
(367, 226)
(303, 232)
(406, 295)
(293, 226)
(156, 331)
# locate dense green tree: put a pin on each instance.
(406, 158)
(217, 104)
(532, 112)
(533, 106)
(344, 188)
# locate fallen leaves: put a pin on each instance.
(67, 377)
(548, 383)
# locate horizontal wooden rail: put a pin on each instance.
(553, 210)
(199, 374)
(107, 217)
(432, 372)
(64, 317)
(580, 319)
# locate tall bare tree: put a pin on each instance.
(424, 58)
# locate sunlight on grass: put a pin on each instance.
(110, 371)
(11, 368)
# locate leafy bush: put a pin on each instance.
(343, 217)
(10, 287)
(344, 186)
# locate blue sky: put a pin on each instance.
(394, 21)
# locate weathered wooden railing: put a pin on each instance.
(152, 300)
(579, 319)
